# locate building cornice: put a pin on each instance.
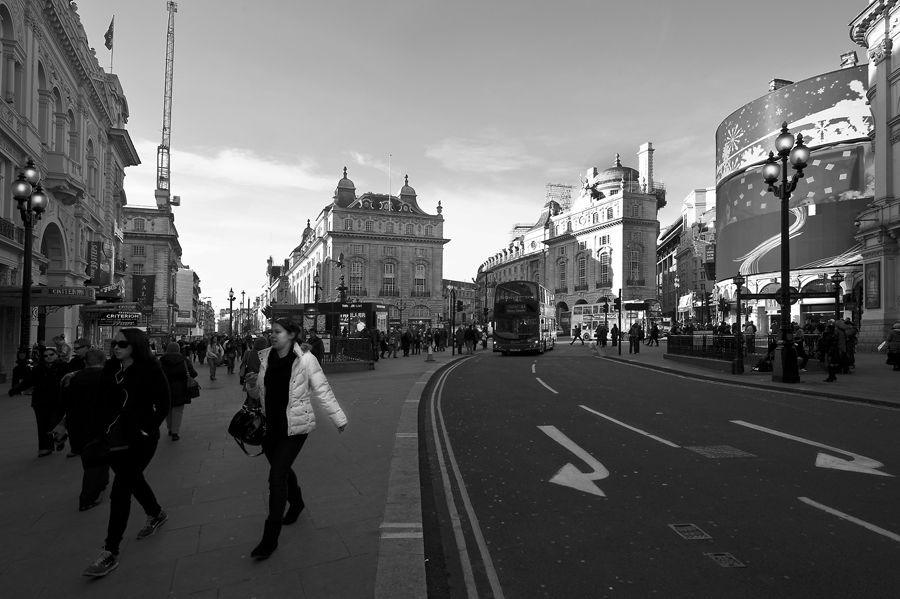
(860, 26)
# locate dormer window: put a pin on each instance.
(139, 224)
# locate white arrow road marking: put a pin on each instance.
(631, 428)
(850, 518)
(859, 463)
(569, 475)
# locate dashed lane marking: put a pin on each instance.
(552, 390)
(629, 427)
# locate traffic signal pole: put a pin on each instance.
(620, 321)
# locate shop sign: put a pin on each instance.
(119, 318)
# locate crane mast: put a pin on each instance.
(162, 155)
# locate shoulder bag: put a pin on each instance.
(193, 387)
(248, 427)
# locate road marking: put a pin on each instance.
(532, 369)
(471, 588)
(569, 475)
(859, 463)
(850, 518)
(637, 430)
(401, 525)
(401, 535)
(552, 390)
(407, 435)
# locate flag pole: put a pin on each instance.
(390, 181)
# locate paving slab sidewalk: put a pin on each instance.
(217, 498)
(870, 382)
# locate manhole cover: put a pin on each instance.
(689, 531)
(726, 560)
(720, 451)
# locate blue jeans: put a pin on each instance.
(283, 485)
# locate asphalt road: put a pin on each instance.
(717, 456)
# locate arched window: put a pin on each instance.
(595, 218)
(609, 213)
(562, 276)
(390, 227)
(582, 272)
(604, 270)
(74, 152)
(635, 265)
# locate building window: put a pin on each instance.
(562, 275)
(420, 279)
(137, 269)
(429, 230)
(609, 213)
(356, 248)
(355, 278)
(409, 229)
(562, 251)
(390, 227)
(604, 270)
(348, 224)
(390, 250)
(637, 236)
(603, 240)
(582, 271)
(582, 245)
(139, 224)
(635, 211)
(370, 226)
(635, 265)
(387, 281)
(420, 252)
(137, 250)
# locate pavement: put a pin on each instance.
(360, 535)
(872, 381)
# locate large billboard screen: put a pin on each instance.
(831, 114)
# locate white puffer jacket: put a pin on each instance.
(307, 379)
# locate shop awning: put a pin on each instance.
(11, 296)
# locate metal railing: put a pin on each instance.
(604, 284)
(635, 282)
(722, 347)
(581, 287)
(390, 293)
(562, 290)
(10, 230)
(420, 293)
(349, 349)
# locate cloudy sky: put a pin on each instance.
(480, 102)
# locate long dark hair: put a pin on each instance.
(290, 326)
(140, 345)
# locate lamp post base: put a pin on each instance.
(788, 375)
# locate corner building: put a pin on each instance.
(605, 242)
(393, 251)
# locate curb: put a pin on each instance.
(400, 572)
(867, 400)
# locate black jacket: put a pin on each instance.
(45, 380)
(176, 367)
(317, 348)
(80, 406)
(143, 390)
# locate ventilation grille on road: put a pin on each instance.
(720, 451)
(726, 560)
(690, 532)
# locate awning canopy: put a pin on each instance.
(11, 296)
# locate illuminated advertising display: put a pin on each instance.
(831, 114)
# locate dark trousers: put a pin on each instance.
(577, 338)
(94, 480)
(43, 416)
(283, 485)
(634, 346)
(128, 466)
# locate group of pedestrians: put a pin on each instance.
(111, 406)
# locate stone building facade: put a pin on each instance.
(63, 111)
(875, 29)
(603, 245)
(388, 249)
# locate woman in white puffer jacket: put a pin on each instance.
(288, 376)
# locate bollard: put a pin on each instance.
(429, 357)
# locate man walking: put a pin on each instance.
(577, 336)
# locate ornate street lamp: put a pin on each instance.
(739, 281)
(401, 306)
(798, 155)
(230, 311)
(32, 202)
(242, 324)
(837, 278)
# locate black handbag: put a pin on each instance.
(193, 387)
(248, 427)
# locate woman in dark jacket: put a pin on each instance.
(134, 400)
(177, 367)
(831, 354)
(45, 398)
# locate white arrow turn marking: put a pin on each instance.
(569, 475)
(859, 463)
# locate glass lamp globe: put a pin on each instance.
(39, 200)
(21, 188)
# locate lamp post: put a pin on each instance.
(401, 306)
(32, 202)
(230, 311)
(243, 324)
(837, 278)
(739, 281)
(799, 155)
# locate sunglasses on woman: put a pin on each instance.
(121, 344)
(50, 353)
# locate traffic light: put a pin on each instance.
(606, 307)
(617, 304)
(723, 305)
(459, 306)
(707, 297)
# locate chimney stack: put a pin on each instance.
(645, 165)
(776, 84)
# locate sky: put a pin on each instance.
(481, 102)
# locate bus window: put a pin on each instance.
(576, 311)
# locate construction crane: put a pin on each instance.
(162, 154)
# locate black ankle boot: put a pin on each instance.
(269, 541)
(296, 506)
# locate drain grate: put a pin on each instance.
(691, 532)
(726, 560)
(720, 451)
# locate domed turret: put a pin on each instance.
(345, 192)
(615, 174)
(406, 191)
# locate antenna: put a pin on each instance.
(162, 154)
